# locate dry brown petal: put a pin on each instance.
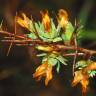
(84, 84)
(44, 70)
(63, 18)
(81, 78)
(24, 22)
(78, 77)
(48, 75)
(91, 66)
(46, 21)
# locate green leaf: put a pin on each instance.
(58, 29)
(68, 32)
(62, 60)
(81, 64)
(52, 61)
(41, 32)
(58, 67)
(54, 32)
(52, 25)
(47, 36)
(92, 73)
(44, 59)
(57, 39)
(32, 36)
(37, 26)
(41, 55)
(40, 29)
(31, 26)
(53, 55)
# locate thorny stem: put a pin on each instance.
(13, 37)
(11, 34)
(57, 47)
(75, 44)
(76, 52)
(73, 54)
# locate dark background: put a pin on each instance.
(17, 68)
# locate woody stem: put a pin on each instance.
(57, 47)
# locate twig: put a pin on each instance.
(10, 46)
(63, 47)
(76, 52)
(11, 34)
(75, 44)
(57, 46)
(73, 54)
(25, 41)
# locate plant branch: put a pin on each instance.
(57, 47)
(11, 34)
(73, 54)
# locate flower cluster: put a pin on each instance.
(57, 39)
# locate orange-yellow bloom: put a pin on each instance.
(82, 79)
(44, 70)
(82, 76)
(91, 66)
(24, 22)
(63, 18)
(46, 20)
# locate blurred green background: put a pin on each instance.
(16, 69)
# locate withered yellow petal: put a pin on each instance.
(84, 84)
(48, 75)
(46, 20)
(63, 18)
(44, 70)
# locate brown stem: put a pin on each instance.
(73, 54)
(57, 46)
(25, 41)
(11, 34)
(63, 47)
(76, 52)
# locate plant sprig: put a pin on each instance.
(54, 42)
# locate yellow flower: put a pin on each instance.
(82, 79)
(46, 20)
(82, 76)
(84, 84)
(63, 18)
(24, 22)
(44, 70)
(91, 66)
